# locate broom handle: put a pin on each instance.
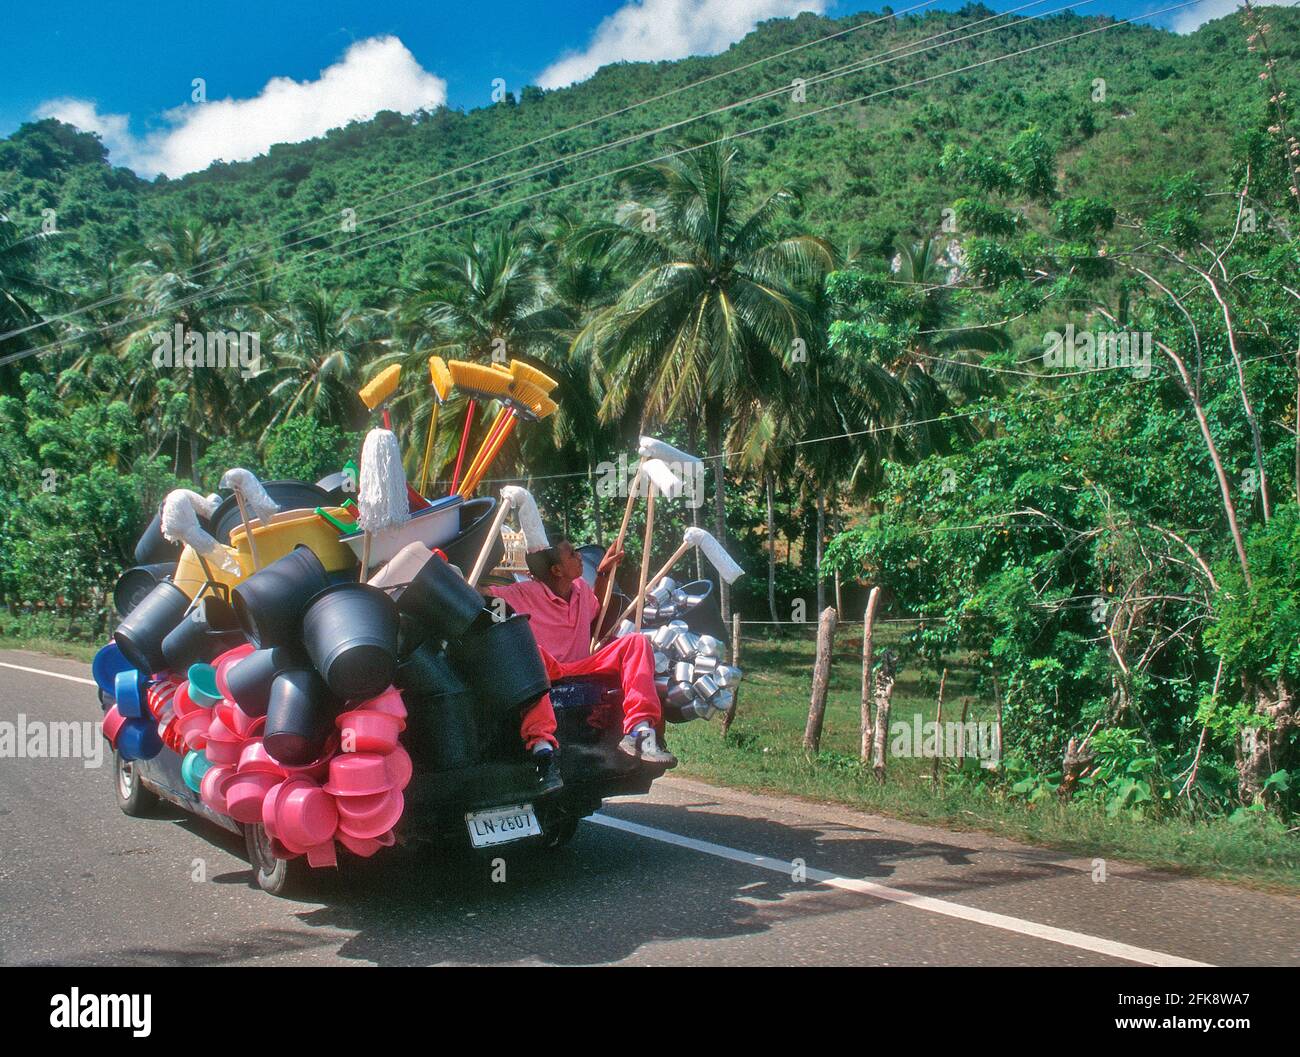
(365, 555)
(248, 531)
(645, 552)
(656, 578)
(464, 440)
(502, 510)
(428, 445)
(618, 546)
(497, 445)
(497, 423)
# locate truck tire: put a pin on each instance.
(128, 788)
(561, 834)
(277, 877)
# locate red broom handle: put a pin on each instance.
(464, 440)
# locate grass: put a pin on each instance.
(42, 633)
(763, 752)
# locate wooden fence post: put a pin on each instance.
(938, 723)
(884, 697)
(735, 663)
(868, 630)
(812, 735)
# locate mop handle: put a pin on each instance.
(492, 535)
(248, 530)
(464, 440)
(654, 579)
(645, 552)
(618, 546)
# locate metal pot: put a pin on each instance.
(705, 686)
(684, 672)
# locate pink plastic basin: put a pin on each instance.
(365, 731)
(358, 774)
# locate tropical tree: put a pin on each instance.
(22, 292)
(717, 312)
(321, 349)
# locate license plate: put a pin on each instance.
(501, 825)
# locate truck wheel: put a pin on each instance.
(561, 834)
(132, 797)
(274, 876)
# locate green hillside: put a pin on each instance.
(1172, 105)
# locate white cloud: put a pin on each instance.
(1192, 18)
(373, 75)
(650, 30)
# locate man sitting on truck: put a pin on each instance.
(563, 610)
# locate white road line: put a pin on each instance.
(54, 675)
(897, 895)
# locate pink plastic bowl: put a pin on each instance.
(366, 731)
(193, 727)
(183, 705)
(305, 816)
(270, 805)
(218, 731)
(323, 855)
(389, 702)
(366, 846)
(381, 822)
(399, 767)
(228, 660)
(254, 757)
(223, 753)
(212, 789)
(245, 793)
(113, 720)
(358, 774)
(363, 809)
(232, 717)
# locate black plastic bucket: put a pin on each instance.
(270, 603)
(152, 548)
(299, 717)
(442, 722)
(249, 679)
(209, 630)
(140, 636)
(439, 599)
(350, 633)
(137, 582)
(475, 523)
(500, 662)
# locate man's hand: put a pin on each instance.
(610, 562)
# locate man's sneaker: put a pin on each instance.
(644, 745)
(547, 762)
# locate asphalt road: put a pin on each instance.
(690, 875)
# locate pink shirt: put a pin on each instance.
(562, 629)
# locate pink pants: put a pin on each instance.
(631, 658)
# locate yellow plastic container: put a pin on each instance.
(287, 530)
(189, 573)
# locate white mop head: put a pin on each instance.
(180, 524)
(652, 448)
(718, 558)
(663, 478)
(381, 492)
(245, 482)
(530, 518)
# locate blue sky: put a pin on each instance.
(126, 68)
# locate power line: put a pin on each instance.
(271, 242)
(41, 350)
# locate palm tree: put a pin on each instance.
(181, 276)
(481, 300)
(712, 318)
(320, 351)
(21, 292)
